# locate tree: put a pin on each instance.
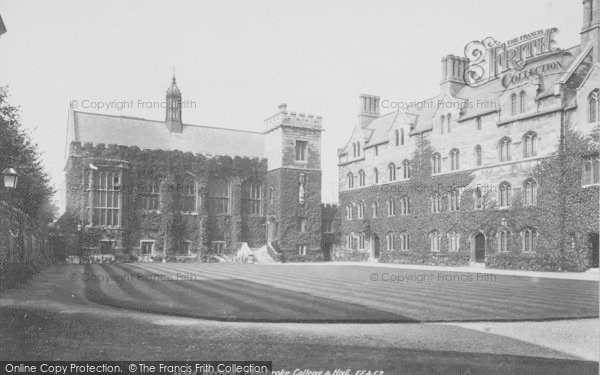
(33, 194)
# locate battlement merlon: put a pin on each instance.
(301, 120)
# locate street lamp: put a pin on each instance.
(10, 177)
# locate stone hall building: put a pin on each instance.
(500, 168)
(145, 187)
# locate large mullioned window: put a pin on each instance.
(149, 196)
(591, 171)
(530, 192)
(219, 197)
(251, 198)
(106, 201)
(187, 196)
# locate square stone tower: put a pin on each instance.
(293, 151)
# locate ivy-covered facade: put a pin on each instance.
(503, 173)
(138, 187)
(160, 201)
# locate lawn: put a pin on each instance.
(305, 293)
(51, 318)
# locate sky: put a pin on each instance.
(236, 61)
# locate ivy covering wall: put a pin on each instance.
(563, 217)
(166, 226)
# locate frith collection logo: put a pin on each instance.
(512, 61)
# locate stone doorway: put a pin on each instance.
(477, 255)
(376, 245)
(593, 249)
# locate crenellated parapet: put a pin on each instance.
(295, 119)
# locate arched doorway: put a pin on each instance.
(477, 248)
(376, 245)
(593, 249)
(327, 250)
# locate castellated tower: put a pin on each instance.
(293, 150)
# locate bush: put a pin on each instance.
(125, 258)
(430, 259)
(345, 255)
(296, 258)
(14, 275)
(560, 261)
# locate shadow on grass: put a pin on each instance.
(228, 300)
(37, 334)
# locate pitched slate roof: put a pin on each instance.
(150, 134)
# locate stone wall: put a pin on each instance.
(23, 246)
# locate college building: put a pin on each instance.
(500, 167)
(168, 188)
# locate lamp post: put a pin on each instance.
(10, 177)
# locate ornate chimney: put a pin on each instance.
(590, 29)
(453, 68)
(369, 109)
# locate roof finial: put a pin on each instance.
(173, 70)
